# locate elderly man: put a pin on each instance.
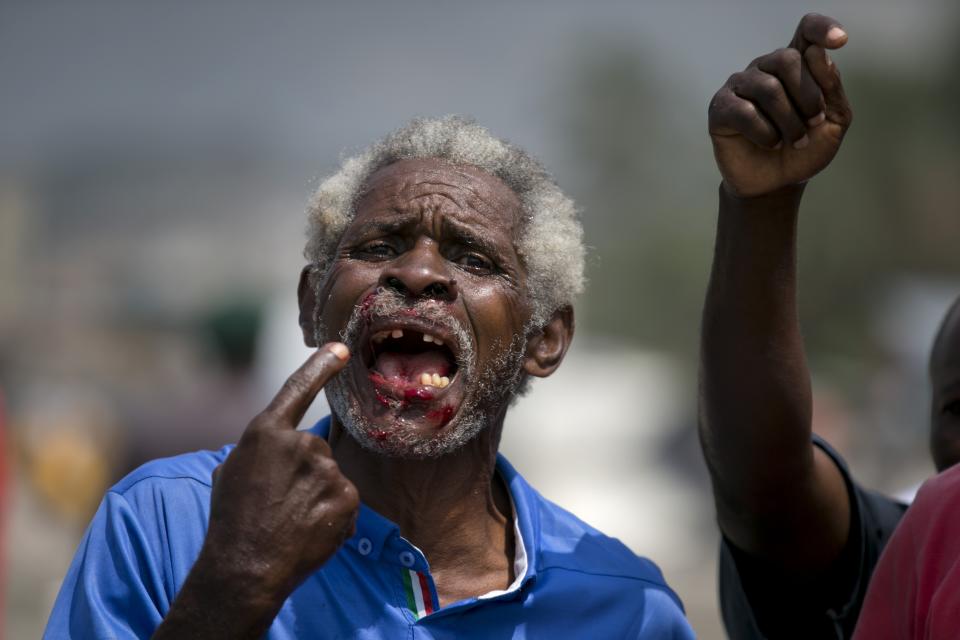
(445, 262)
(800, 537)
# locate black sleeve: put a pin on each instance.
(758, 601)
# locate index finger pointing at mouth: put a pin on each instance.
(297, 393)
(820, 30)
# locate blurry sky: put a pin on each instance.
(312, 78)
(122, 119)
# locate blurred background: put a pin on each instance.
(155, 162)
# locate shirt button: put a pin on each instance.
(407, 559)
(364, 546)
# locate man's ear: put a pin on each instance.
(547, 347)
(308, 305)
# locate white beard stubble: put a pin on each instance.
(487, 391)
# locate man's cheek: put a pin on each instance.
(336, 299)
(504, 316)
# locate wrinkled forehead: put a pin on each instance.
(467, 190)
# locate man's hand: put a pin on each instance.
(280, 506)
(279, 509)
(781, 121)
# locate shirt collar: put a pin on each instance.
(377, 530)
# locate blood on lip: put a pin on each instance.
(441, 416)
(367, 302)
(417, 393)
(383, 386)
(383, 399)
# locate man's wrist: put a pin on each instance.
(222, 596)
(786, 197)
(249, 582)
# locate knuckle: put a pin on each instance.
(260, 420)
(312, 458)
(350, 497)
(743, 113)
(256, 427)
(328, 468)
(768, 85)
(319, 445)
(295, 386)
(720, 103)
(788, 57)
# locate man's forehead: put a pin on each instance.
(418, 177)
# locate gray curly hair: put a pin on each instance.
(551, 238)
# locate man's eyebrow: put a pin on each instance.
(392, 223)
(468, 236)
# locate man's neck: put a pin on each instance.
(454, 508)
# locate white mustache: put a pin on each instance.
(389, 305)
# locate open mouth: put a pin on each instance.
(407, 363)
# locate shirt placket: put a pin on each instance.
(417, 585)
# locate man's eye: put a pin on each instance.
(378, 249)
(475, 262)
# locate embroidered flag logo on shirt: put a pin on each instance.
(419, 600)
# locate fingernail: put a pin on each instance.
(339, 349)
(817, 119)
(802, 142)
(836, 33)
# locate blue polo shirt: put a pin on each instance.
(572, 581)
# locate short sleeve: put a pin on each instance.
(113, 588)
(757, 601)
(662, 618)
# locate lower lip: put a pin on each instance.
(441, 416)
(387, 393)
(417, 393)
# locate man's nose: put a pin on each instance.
(421, 273)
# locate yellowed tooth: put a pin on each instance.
(428, 338)
(380, 336)
(436, 379)
(426, 378)
(438, 341)
(397, 333)
(444, 381)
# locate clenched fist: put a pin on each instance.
(782, 119)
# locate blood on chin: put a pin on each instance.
(402, 398)
(403, 428)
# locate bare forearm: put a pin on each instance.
(773, 126)
(755, 386)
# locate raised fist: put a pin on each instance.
(781, 120)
